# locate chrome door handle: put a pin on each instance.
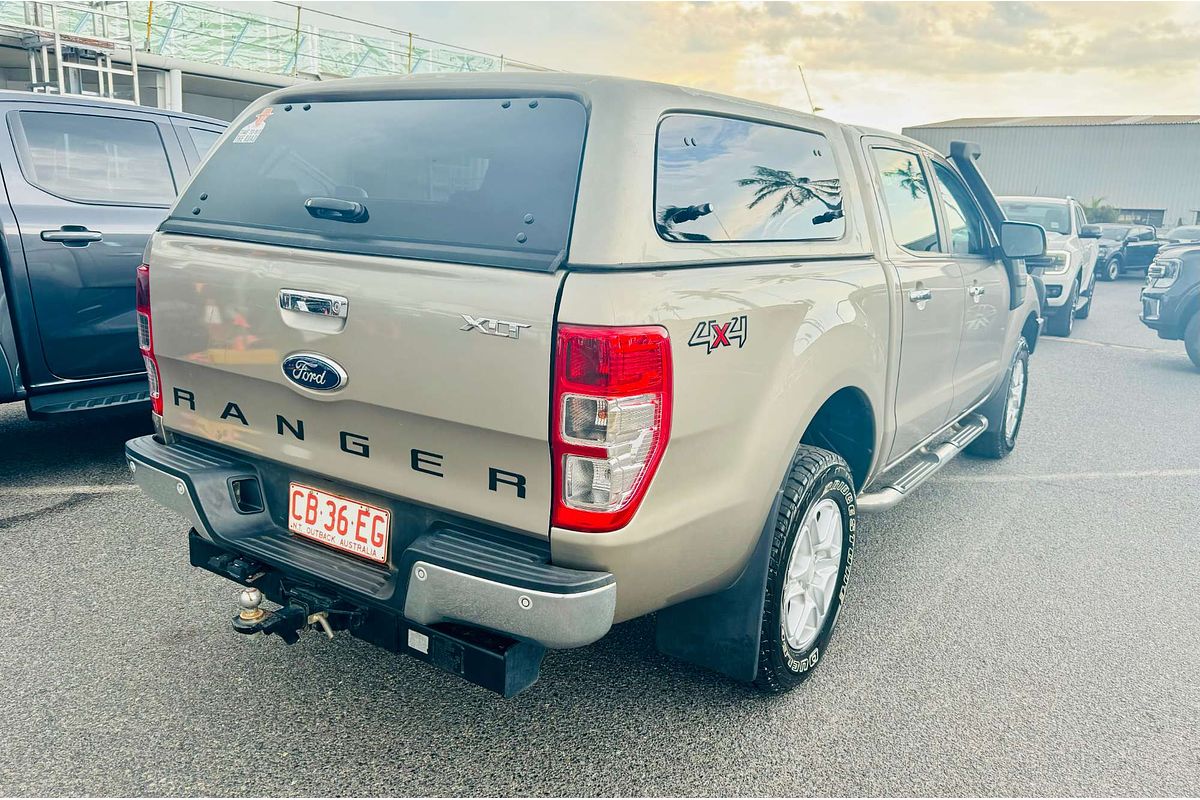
(920, 295)
(976, 291)
(72, 236)
(325, 305)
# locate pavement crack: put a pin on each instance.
(61, 505)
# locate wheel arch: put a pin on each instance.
(1031, 331)
(845, 424)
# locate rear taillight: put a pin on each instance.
(612, 419)
(146, 336)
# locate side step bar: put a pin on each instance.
(926, 463)
(126, 395)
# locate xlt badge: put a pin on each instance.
(311, 371)
(493, 327)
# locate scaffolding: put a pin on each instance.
(77, 49)
(71, 38)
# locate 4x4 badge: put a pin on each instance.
(712, 334)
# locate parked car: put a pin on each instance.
(1183, 234)
(1068, 267)
(87, 182)
(1124, 248)
(1171, 296)
(493, 391)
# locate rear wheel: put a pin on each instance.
(811, 553)
(1005, 409)
(1191, 339)
(1111, 270)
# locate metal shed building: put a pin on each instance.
(1146, 166)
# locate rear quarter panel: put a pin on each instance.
(812, 328)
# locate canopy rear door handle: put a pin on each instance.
(72, 236)
(325, 305)
(336, 209)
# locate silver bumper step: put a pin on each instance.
(925, 463)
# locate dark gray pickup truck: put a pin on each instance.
(86, 182)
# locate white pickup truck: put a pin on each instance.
(1068, 269)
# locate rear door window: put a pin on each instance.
(729, 180)
(481, 181)
(94, 159)
(909, 204)
(203, 139)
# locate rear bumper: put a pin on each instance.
(438, 571)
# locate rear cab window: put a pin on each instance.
(93, 159)
(477, 181)
(730, 180)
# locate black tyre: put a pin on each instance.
(1061, 321)
(1191, 339)
(812, 551)
(1085, 311)
(1005, 409)
(1111, 269)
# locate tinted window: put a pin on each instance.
(726, 180)
(489, 181)
(1114, 231)
(95, 159)
(203, 139)
(906, 195)
(1051, 215)
(1080, 219)
(967, 230)
(1147, 235)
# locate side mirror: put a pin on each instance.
(1089, 232)
(1022, 239)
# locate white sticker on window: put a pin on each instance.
(249, 134)
(418, 641)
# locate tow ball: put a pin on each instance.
(286, 622)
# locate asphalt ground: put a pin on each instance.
(1026, 627)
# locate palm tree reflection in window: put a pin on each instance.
(911, 179)
(795, 191)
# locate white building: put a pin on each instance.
(1146, 166)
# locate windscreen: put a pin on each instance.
(479, 181)
(1054, 217)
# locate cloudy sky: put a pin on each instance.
(877, 63)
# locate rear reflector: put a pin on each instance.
(612, 414)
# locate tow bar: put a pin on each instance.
(304, 609)
(485, 658)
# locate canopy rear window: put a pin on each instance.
(478, 181)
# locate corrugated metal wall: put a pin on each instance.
(1130, 166)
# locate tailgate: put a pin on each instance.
(446, 370)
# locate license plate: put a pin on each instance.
(339, 522)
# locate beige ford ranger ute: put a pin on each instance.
(472, 366)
